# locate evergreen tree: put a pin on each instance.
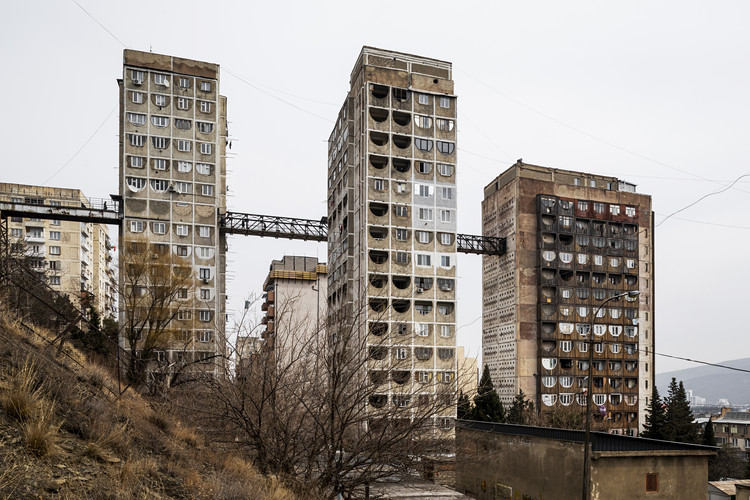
(654, 427)
(464, 409)
(679, 419)
(487, 404)
(708, 434)
(520, 409)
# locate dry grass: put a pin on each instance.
(21, 395)
(187, 435)
(41, 430)
(109, 438)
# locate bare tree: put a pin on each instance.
(326, 413)
(151, 281)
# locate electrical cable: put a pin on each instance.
(100, 24)
(701, 199)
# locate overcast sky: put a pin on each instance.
(656, 93)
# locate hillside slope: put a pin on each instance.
(66, 432)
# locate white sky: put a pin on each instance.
(656, 93)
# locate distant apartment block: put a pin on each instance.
(733, 428)
(173, 185)
(74, 257)
(294, 303)
(574, 240)
(392, 224)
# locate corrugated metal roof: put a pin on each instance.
(600, 441)
(735, 417)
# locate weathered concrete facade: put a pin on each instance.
(500, 461)
(573, 240)
(392, 222)
(173, 132)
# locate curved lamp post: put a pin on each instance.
(585, 495)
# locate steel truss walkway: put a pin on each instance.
(110, 212)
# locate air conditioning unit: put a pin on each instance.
(171, 188)
(420, 290)
(205, 281)
(137, 81)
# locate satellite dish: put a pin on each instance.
(166, 83)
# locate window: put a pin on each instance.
(423, 236)
(401, 353)
(424, 99)
(445, 216)
(136, 140)
(402, 258)
(614, 209)
(160, 100)
(205, 127)
(445, 261)
(159, 185)
(135, 183)
(160, 142)
(206, 335)
(136, 118)
(424, 191)
(136, 161)
(181, 230)
(160, 121)
(652, 483)
(424, 167)
(54, 250)
(402, 211)
(599, 208)
(182, 103)
(424, 259)
(401, 187)
(184, 187)
(446, 193)
(53, 235)
(160, 164)
(204, 273)
(136, 226)
(204, 357)
(184, 83)
(161, 80)
(204, 231)
(206, 148)
(159, 228)
(379, 185)
(630, 211)
(425, 213)
(184, 166)
(445, 238)
(445, 353)
(182, 124)
(446, 147)
(445, 331)
(203, 168)
(136, 97)
(205, 316)
(424, 145)
(206, 86)
(137, 76)
(205, 107)
(54, 280)
(566, 345)
(423, 121)
(445, 102)
(422, 329)
(445, 169)
(205, 252)
(444, 125)
(207, 190)
(401, 234)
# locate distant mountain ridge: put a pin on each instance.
(712, 382)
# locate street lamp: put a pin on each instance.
(585, 495)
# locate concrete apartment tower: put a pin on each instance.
(574, 240)
(173, 133)
(392, 221)
(74, 256)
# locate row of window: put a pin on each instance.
(422, 144)
(381, 233)
(583, 258)
(598, 399)
(162, 101)
(380, 115)
(583, 346)
(425, 260)
(403, 305)
(36, 233)
(138, 226)
(163, 164)
(566, 382)
(158, 142)
(403, 165)
(403, 95)
(583, 365)
(380, 352)
(137, 184)
(566, 206)
(402, 282)
(583, 329)
(583, 311)
(139, 119)
(184, 82)
(424, 214)
(380, 328)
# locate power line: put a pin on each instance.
(81, 148)
(277, 97)
(703, 362)
(701, 199)
(100, 24)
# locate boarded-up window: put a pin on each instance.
(652, 483)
